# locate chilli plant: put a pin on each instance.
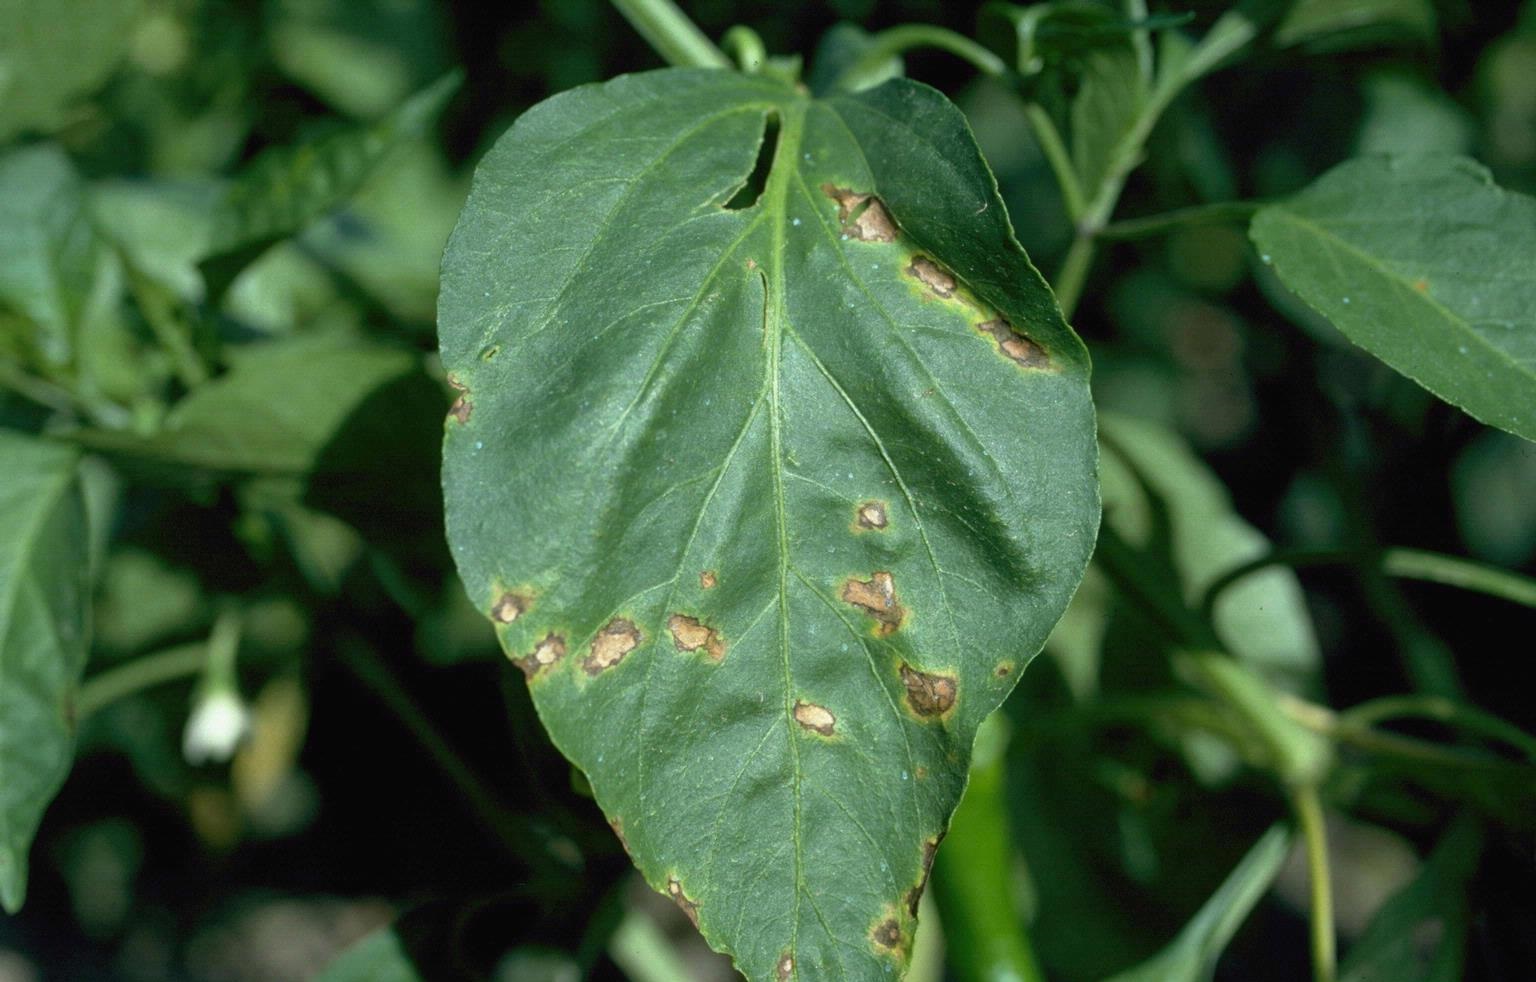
(771, 462)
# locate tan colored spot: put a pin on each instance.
(887, 933)
(708, 580)
(1421, 285)
(509, 607)
(1003, 670)
(543, 655)
(814, 717)
(751, 264)
(690, 635)
(617, 824)
(863, 215)
(785, 967)
(675, 891)
(928, 695)
(915, 895)
(612, 643)
(877, 596)
(871, 515)
(921, 772)
(462, 407)
(934, 275)
(1014, 345)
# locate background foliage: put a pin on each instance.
(220, 227)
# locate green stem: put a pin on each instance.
(1324, 721)
(1410, 564)
(1221, 213)
(1309, 815)
(642, 950)
(973, 877)
(34, 389)
(671, 34)
(744, 44)
(173, 664)
(893, 42)
(1055, 150)
(1439, 710)
(1073, 275)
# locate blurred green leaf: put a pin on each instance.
(1191, 957)
(53, 52)
(1337, 24)
(380, 957)
(275, 412)
(1406, 115)
(1425, 263)
(44, 566)
(286, 189)
(1112, 93)
(1421, 933)
(1491, 486)
(1150, 477)
(48, 253)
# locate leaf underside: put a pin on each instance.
(772, 474)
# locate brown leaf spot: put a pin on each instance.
(932, 274)
(612, 643)
(915, 895)
(921, 772)
(1011, 344)
(708, 580)
(617, 824)
(871, 515)
(785, 967)
(1003, 670)
(814, 717)
(462, 407)
(543, 655)
(509, 607)
(675, 891)
(928, 695)
(690, 635)
(877, 596)
(887, 933)
(863, 215)
(1421, 285)
(751, 264)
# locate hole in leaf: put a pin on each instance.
(747, 195)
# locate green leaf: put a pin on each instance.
(768, 498)
(1191, 957)
(1151, 478)
(1336, 24)
(52, 54)
(1420, 935)
(275, 412)
(44, 559)
(380, 957)
(286, 189)
(1428, 265)
(48, 253)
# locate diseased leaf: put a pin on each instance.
(287, 188)
(1191, 957)
(44, 563)
(51, 54)
(772, 486)
(1425, 263)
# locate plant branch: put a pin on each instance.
(171, 665)
(671, 34)
(895, 41)
(1309, 816)
(1055, 150)
(1214, 214)
(1439, 710)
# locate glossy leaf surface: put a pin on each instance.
(1425, 263)
(43, 603)
(773, 478)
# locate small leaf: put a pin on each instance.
(1420, 935)
(773, 466)
(380, 957)
(44, 559)
(286, 189)
(1191, 957)
(50, 57)
(1336, 24)
(1428, 265)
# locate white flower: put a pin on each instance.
(219, 722)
